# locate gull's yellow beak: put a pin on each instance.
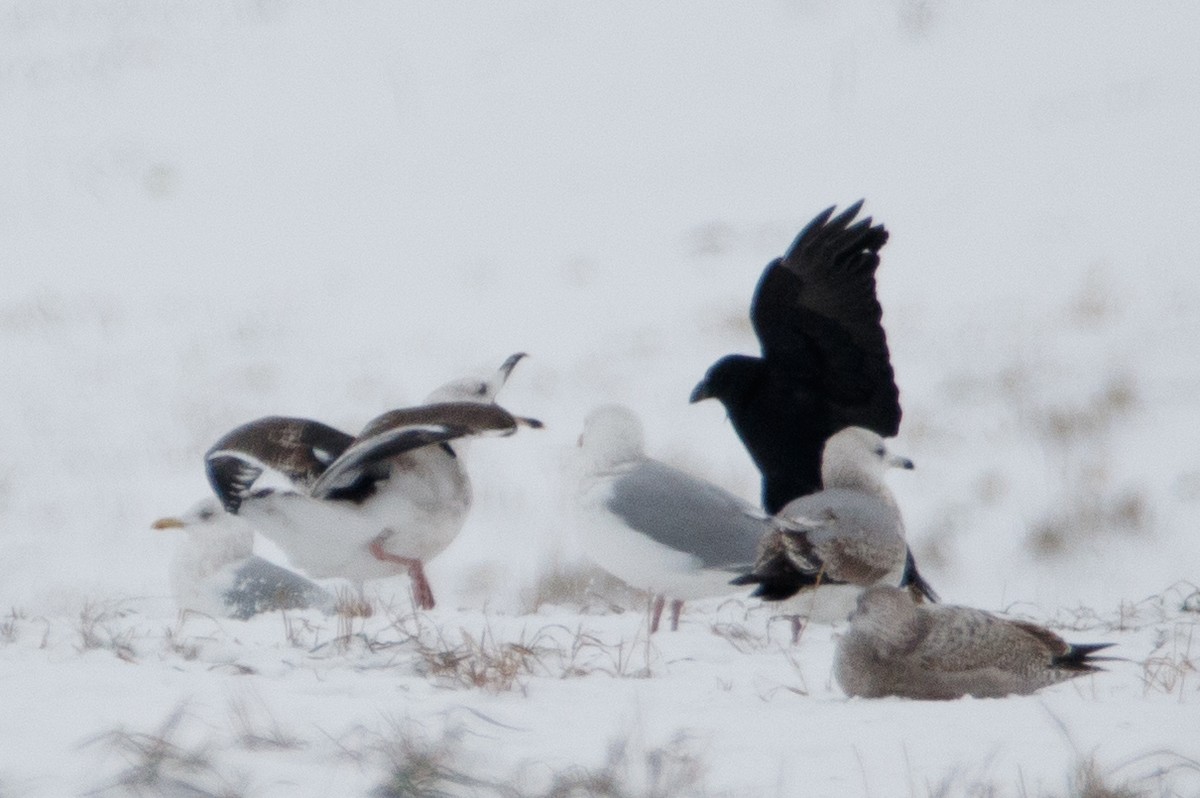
(168, 523)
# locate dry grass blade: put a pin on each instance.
(97, 630)
(261, 731)
(631, 771)
(419, 767)
(10, 627)
(160, 766)
(1168, 671)
(1089, 781)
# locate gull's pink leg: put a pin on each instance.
(656, 611)
(422, 592)
(676, 609)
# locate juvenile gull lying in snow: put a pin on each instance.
(653, 526)
(895, 647)
(849, 533)
(215, 570)
(824, 364)
(366, 507)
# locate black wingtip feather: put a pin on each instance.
(916, 584)
(777, 579)
(841, 233)
(1078, 657)
(231, 479)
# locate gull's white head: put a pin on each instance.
(858, 458)
(476, 389)
(612, 435)
(209, 527)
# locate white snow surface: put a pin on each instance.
(215, 211)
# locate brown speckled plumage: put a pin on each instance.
(895, 647)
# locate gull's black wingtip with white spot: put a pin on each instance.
(231, 478)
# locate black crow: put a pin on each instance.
(824, 363)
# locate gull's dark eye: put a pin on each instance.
(880, 451)
(206, 514)
(481, 390)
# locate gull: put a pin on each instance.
(655, 527)
(895, 647)
(215, 571)
(824, 364)
(850, 533)
(371, 506)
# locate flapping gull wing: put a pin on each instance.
(297, 449)
(400, 431)
(815, 312)
(688, 514)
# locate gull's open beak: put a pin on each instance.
(168, 523)
(508, 365)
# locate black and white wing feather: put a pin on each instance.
(298, 450)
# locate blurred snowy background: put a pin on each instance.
(215, 211)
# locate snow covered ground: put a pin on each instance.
(215, 211)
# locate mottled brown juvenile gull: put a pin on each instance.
(824, 362)
(850, 533)
(366, 507)
(655, 527)
(895, 647)
(215, 571)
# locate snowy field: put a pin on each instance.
(215, 211)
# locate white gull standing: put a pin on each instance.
(895, 647)
(655, 527)
(368, 507)
(850, 533)
(215, 571)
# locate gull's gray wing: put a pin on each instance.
(841, 512)
(837, 535)
(687, 514)
(852, 536)
(262, 586)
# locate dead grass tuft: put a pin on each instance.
(1087, 780)
(1168, 668)
(159, 765)
(422, 767)
(10, 627)
(486, 660)
(349, 603)
(1090, 781)
(482, 662)
(631, 771)
(257, 729)
(98, 629)
(419, 767)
